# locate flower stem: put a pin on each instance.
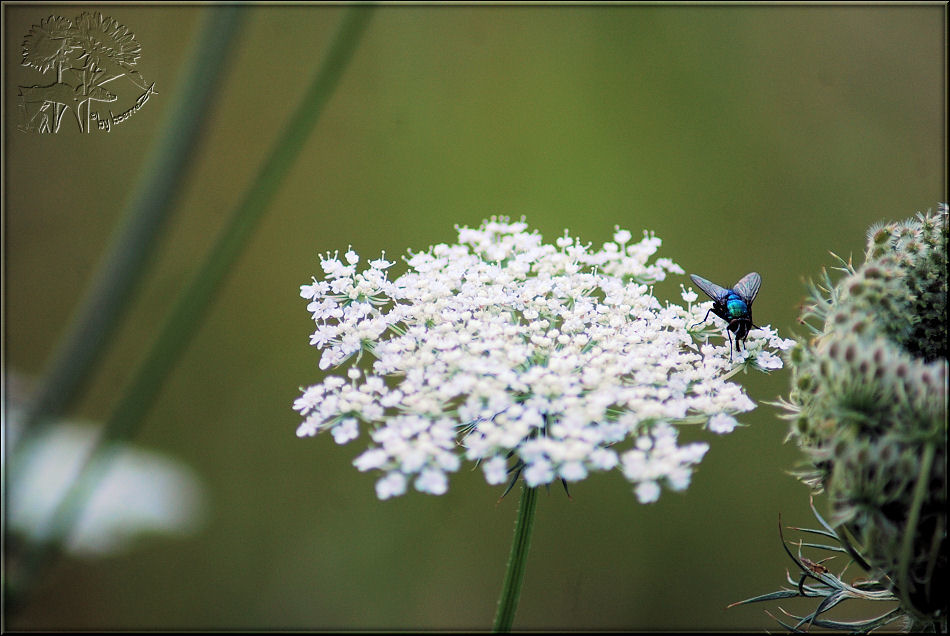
(94, 323)
(911, 531)
(150, 204)
(517, 560)
(192, 304)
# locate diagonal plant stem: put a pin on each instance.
(149, 205)
(517, 560)
(194, 301)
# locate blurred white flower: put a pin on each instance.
(688, 296)
(722, 423)
(142, 492)
(502, 346)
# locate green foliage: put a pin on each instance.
(868, 406)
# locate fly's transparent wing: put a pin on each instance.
(748, 287)
(711, 289)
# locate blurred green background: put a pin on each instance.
(748, 138)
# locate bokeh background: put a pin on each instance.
(748, 138)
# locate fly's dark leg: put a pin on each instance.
(703, 320)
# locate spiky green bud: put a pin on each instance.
(868, 405)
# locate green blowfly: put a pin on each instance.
(732, 305)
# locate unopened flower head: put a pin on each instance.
(509, 352)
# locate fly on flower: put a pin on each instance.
(732, 305)
(537, 361)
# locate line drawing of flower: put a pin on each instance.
(93, 50)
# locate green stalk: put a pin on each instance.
(194, 301)
(911, 530)
(81, 348)
(517, 560)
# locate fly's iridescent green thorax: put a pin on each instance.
(736, 307)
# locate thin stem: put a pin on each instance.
(138, 235)
(911, 531)
(517, 561)
(196, 298)
(111, 290)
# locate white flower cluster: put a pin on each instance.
(519, 355)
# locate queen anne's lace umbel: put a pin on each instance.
(513, 353)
